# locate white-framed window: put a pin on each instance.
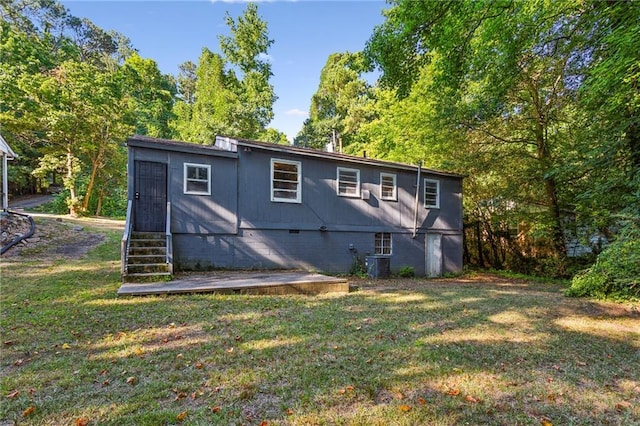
(382, 243)
(388, 187)
(197, 179)
(286, 181)
(348, 182)
(432, 193)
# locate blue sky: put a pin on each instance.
(305, 33)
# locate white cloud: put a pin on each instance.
(297, 112)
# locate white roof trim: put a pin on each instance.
(6, 149)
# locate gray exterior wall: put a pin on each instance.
(238, 226)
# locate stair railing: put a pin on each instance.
(167, 233)
(124, 243)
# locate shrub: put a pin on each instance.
(407, 272)
(616, 272)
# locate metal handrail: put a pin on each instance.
(167, 233)
(124, 243)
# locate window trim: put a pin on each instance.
(437, 204)
(186, 179)
(393, 176)
(347, 169)
(382, 246)
(298, 199)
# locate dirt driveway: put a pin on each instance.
(63, 236)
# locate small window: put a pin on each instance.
(348, 182)
(197, 179)
(432, 193)
(388, 187)
(285, 181)
(383, 243)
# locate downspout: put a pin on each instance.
(415, 212)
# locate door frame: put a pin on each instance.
(433, 259)
(150, 203)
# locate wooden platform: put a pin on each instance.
(256, 283)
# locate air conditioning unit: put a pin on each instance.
(378, 266)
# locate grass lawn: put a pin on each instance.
(473, 350)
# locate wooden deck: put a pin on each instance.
(251, 283)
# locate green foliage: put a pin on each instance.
(340, 106)
(535, 101)
(407, 272)
(358, 267)
(616, 273)
(227, 94)
(151, 96)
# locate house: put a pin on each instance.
(243, 204)
(7, 154)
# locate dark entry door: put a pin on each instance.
(150, 198)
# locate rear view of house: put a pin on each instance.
(241, 204)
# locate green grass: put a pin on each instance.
(465, 350)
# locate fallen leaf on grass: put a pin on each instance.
(131, 380)
(289, 412)
(215, 409)
(199, 365)
(29, 411)
(453, 392)
(66, 346)
(180, 417)
(422, 401)
(82, 421)
(405, 408)
(624, 405)
(473, 399)
(546, 422)
(13, 394)
(8, 342)
(264, 423)
(18, 362)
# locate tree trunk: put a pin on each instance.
(551, 190)
(71, 185)
(100, 198)
(95, 165)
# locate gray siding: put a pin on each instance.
(204, 214)
(322, 206)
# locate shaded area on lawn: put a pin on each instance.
(482, 349)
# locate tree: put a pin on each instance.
(339, 106)
(80, 111)
(505, 72)
(151, 96)
(246, 49)
(231, 92)
(187, 82)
